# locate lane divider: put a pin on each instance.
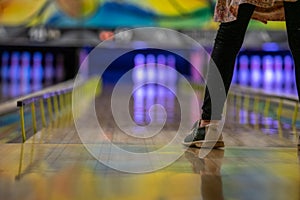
(58, 104)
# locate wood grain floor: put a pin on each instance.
(260, 160)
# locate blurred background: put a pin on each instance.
(44, 42)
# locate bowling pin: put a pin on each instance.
(256, 73)
(37, 71)
(49, 69)
(4, 67)
(268, 73)
(60, 72)
(138, 73)
(151, 68)
(5, 74)
(243, 70)
(15, 68)
(278, 74)
(25, 73)
(15, 75)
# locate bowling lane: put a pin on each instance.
(54, 164)
(59, 171)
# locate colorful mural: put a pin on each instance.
(178, 14)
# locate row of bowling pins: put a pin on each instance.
(25, 68)
(158, 77)
(270, 73)
(160, 69)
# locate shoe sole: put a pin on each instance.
(205, 144)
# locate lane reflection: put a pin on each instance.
(209, 169)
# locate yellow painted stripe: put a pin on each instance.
(22, 123)
(43, 113)
(49, 104)
(33, 115)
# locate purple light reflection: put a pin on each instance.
(162, 101)
(253, 118)
(243, 116)
(139, 106)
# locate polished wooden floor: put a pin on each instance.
(260, 160)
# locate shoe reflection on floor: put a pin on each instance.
(209, 168)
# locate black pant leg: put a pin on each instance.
(228, 42)
(292, 15)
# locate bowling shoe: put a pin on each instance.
(204, 137)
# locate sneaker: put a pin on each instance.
(198, 137)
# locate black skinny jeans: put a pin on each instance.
(228, 42)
